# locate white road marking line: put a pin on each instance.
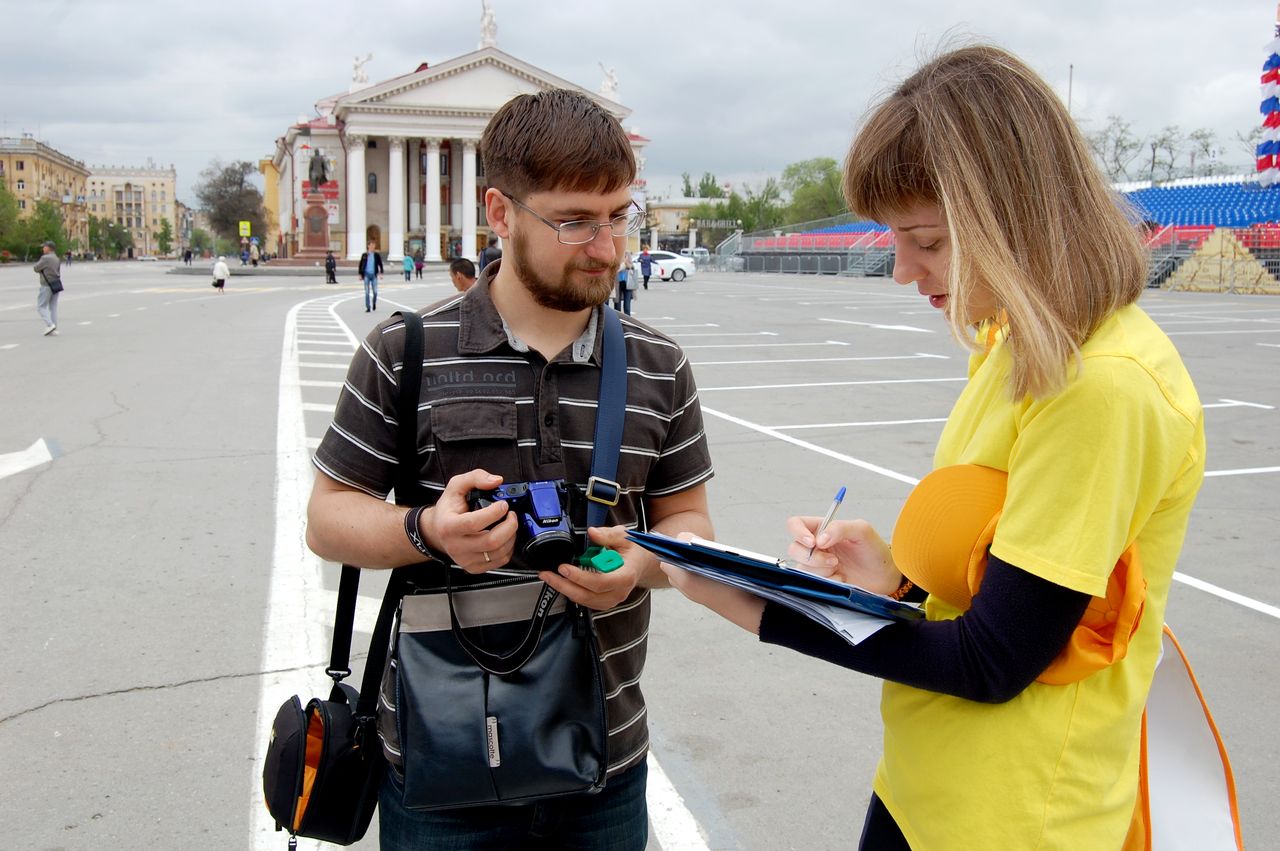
(1247, 471)
(916, 356)
(1234, 403)
(831, 384)
(673, 825)
(10, 346)
(864, 423)
(345, 353)
(1224, 331)
(85, 322)
(1270, 345)
(762, 345)
(901, 477)
(654, 322)
(1232, 596)
(112, 315)
(12, 463)
(321, 384)
(875, 325)
(821, 450)
(730, 334)
(323, 365)
(317, 406)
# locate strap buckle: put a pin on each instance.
(338, 674)
(603, 491)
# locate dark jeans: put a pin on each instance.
(370, 292)
(623, 300)
(615, 819)
(880, 832)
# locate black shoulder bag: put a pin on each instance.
(475, 727)
(324, 762)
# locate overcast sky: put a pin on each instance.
(739, 89)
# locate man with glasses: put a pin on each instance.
(509, 391)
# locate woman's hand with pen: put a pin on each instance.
(850, 551)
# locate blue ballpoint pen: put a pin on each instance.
(831, 512)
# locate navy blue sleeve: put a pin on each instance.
(1017, 625)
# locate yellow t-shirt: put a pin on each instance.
(1117, 456)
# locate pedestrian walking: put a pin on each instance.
(490, 252)
(626, 287)
(220, 275)
(417, 263)
(646, 264)
(330, 268)
(370, 268)
(408, 267)
(254, 255)
(50, 272)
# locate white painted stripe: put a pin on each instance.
(656, 324)
(881, 327)
(323, 365)
(291, 637)
(318, 406)
(10, 346)
(916, 356)
(1248, 471)
(864, 423)
(34, 455)
(112, 315)
(1224, 331)
(320, 384)
(308, 341)
(1270, 345)
(86, 322)
(1236, 403)
(345, 353)
(831, 384)
(821, 450)
(730, 334)
(764, 345)
(1240, 599)
(673, 825)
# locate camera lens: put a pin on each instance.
(549, 550)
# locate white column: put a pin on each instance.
(395, 200)
(469, 199)
(356, 186)
(693, 237)
(433, 201)
(415, 190)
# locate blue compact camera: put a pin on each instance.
(543, 538)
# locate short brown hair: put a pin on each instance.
(556, 140)
(1029, 216)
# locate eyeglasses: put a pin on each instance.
(582, 232)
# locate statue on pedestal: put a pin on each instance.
(609, 86)
(488, 26)
(318, 171)
(357, 69)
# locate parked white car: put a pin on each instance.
(666, 266)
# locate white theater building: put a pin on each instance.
(401, 166)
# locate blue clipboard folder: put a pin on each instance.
(772, 579)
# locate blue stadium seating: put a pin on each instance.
(1232, 205)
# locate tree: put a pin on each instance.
(1167, 147)
(164, 239)
(709, 187)
(229, 198)
(1203, 152)
(815, 188)
(1249, 143)
(762, 208)
(686, 188)
(117, 238)
(1115, 146)
(9, 225)
(200, 241)
(45, 224)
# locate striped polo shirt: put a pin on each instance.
(488, 401)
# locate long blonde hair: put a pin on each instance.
(1029, 215)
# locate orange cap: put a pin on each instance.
(941, 543)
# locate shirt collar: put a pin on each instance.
(482, 329)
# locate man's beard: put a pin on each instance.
(561, 293)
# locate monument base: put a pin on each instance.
(315, 228)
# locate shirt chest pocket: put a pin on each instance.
(471, 434)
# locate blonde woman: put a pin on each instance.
(1012, 713)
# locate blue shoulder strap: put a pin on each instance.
(603, 489)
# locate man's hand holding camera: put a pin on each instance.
(601, 591)
(477, 540)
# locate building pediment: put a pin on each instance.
(477, 82)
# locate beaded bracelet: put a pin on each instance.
(903, 589)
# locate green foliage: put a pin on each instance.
(116, 239)
(814, 186)
(709, 187)
(8, 218)
(201, 241)
(686, 188)
(229, 198)
(164, 239)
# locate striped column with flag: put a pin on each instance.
(1269, 147)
